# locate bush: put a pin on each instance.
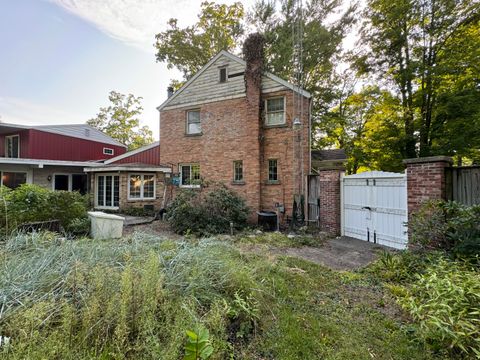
(445, 301)
(79, 227)
(32, 203)
(447, 226)
(207, 212)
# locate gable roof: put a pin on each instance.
(243, 63)
(329, 154)
(133, 152)
(82, 131)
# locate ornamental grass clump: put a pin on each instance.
(133, 298)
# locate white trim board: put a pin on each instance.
(129, 169)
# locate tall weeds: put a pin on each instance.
(86, 299)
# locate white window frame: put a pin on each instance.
(70, 180)
(104, 195)
(142, 176)
(105, 151)
(226, 74)
(28, 172)
(284, 111)
(187, 123)
(7, 138)
(192, 186)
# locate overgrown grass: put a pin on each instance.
(134, 298)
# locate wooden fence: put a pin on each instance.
(463, 185)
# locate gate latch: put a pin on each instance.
(367, 208)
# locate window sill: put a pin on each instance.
(272, 182)
(193, 135)
(140, 199)
(238, 182)
(106, 207)
(275, 126)
(189, 186)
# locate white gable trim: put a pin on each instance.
(133, 152)
(240, 61)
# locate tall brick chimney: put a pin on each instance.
(253, 56)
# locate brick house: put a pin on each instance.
(53, 156)
(224, 125)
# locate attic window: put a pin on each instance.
(223, 74)
(107, 151)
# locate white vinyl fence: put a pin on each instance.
(374, 208)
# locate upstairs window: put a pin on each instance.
(190, 175)
(12, 146)
(272, 170)
(223, 74)
(238, 171)
(108, 151)
(275, 111)
(194, 125)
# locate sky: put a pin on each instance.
(59, 59)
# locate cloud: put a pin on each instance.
(20, 111)
(131, 21)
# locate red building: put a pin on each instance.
(53, 156)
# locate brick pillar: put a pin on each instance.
(330, 206)
(426, 180)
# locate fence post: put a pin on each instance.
(426, 180)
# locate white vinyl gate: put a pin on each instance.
(374, 208)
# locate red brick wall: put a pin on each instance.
(330, 206)
(230, 131)
(425, 180)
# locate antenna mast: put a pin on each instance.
(298, 110)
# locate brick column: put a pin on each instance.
(426, 180)
(330, 206)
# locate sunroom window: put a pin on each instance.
(141, 186)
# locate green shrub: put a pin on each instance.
(445, 301)
(79, 226)
(32, 203)
(138, 211)
(447, 226)
(207, 212)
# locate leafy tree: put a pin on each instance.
(407, 43)
(219, 27)
(120, 121)
(322, 46)
(367, 125)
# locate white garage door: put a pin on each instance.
(374, 208)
